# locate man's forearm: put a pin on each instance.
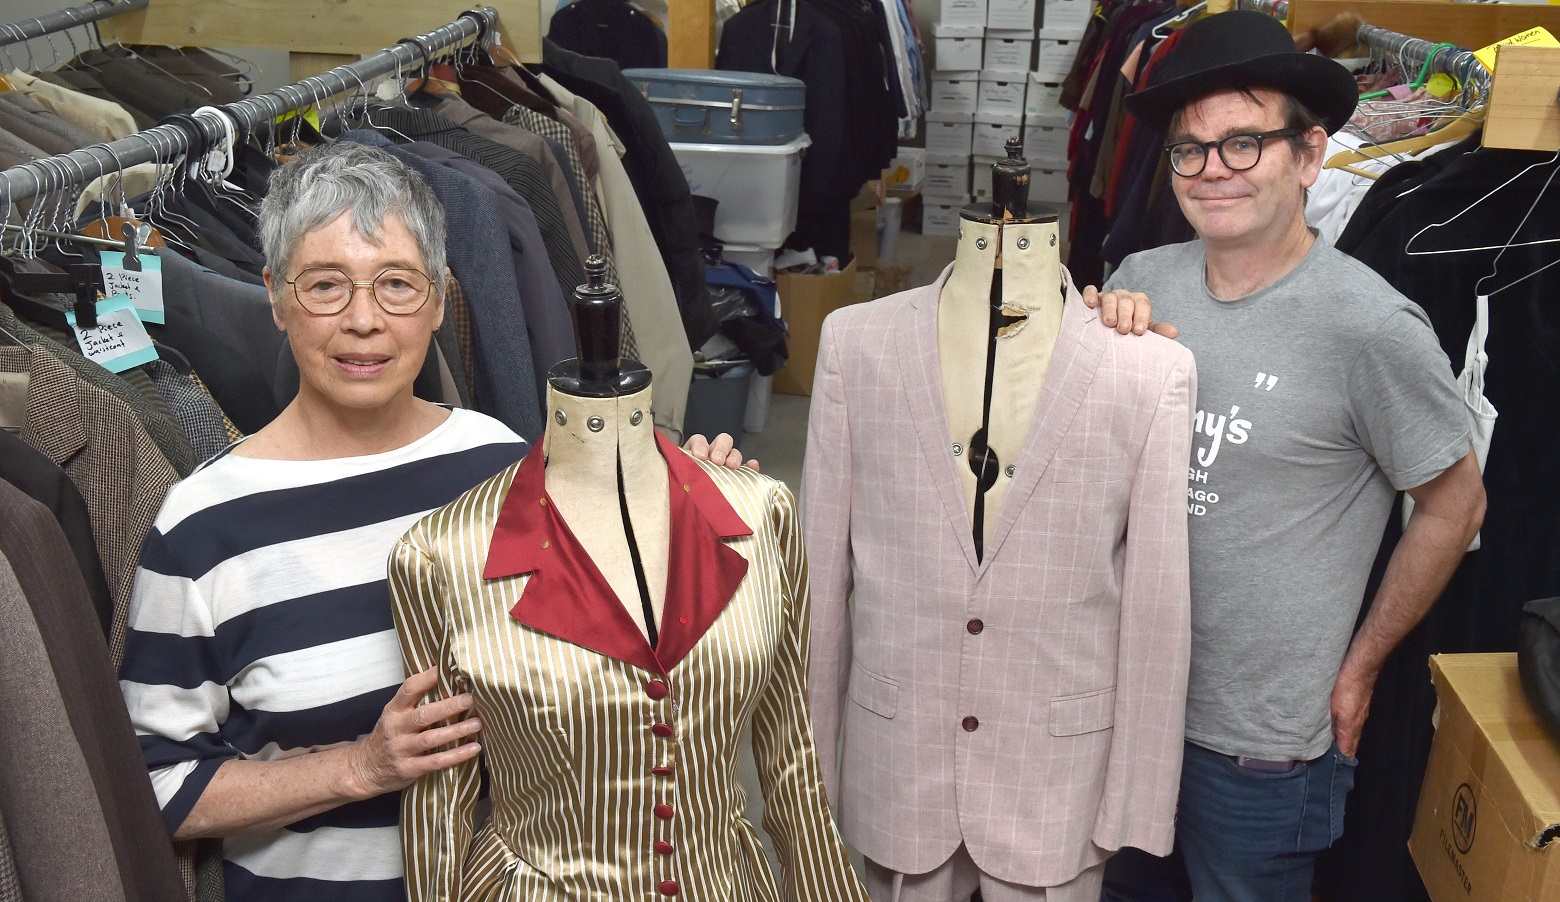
(1432, 547)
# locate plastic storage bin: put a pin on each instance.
(718, 400)
(756, 185)
(759, 259)
(709, 107)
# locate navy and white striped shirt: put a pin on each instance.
(260, 629)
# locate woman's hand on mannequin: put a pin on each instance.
(722, 451)
(244, 796)
(402, 746)
(1126, 311)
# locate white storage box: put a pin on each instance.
(1002, 92)
(1065, 19)
(981, 177)
(963, 12)
(959, 47)
(955, 92)
(755, 183)
(1006, 51)
(1043, 100)
(949, 133)
(907, 170)
(1044, 142)
(940, 216)
(1054, 59)
(1018, 14)
(1048, 185)
(992, 131)
(759, 259)
(946, 176)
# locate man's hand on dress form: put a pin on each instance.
(1350, 706)
(722, 451)
(1126, 311)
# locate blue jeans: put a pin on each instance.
(1240, 835)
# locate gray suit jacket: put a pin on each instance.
(1050, 734)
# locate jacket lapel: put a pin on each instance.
(567, 597)
(922, 375)
(1080, 345)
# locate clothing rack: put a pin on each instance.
(39, 26)
(196, 133)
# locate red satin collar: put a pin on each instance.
(567, 596)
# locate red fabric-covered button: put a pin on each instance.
(664, 770)
(975, 627)
(656, 689)
(663, 848)
(971, 724)
(668, 887)
(662, 729)
(664, 812)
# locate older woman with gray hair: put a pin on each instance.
(262, 670)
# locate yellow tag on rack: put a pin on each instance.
(1535, 37)
(310, 115)
(1442, 85)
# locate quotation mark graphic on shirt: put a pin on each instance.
(1270, 380)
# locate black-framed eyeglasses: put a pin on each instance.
(1239, 152)
(326, 292)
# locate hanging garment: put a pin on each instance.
(107, 454)
(1470, 384)
(567, 686)
(1079, 606)
(611, 29)
(508, 373)
(103, 119)
(657, 177)
(93, 717)
(43, 481)
(62, 843)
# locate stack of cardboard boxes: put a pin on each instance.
(999, 69)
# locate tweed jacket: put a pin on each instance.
(1028, 704)
(612, 765)
(108, 454)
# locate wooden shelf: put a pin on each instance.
(1470, 25)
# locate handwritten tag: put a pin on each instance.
(144, 288)
(120, 341)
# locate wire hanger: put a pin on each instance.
(1408, 247)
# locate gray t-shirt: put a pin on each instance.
(1317, 397)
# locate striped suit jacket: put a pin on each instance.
(612, 765)
(1030, 703)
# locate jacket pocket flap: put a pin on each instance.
(877, 694)
(1086, 712)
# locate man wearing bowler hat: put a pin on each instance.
(1322, 392)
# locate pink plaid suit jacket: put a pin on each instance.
(1051, 734)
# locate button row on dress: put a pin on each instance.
(656, 689)
(971, 724)
(668, 887)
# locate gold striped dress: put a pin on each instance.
(613, 766)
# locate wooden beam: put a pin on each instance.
(690, 34)
(1524, 110)
(355, 27)
(304, 65)
(1470, 25)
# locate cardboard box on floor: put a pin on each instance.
(1488, 824)
(804, 302)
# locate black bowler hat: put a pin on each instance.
(1245, 49)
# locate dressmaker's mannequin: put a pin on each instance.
(997, 321)
(604, 472)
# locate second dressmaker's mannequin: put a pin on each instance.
(997, 321)
(604, 472)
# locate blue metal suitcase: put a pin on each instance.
(704, 106)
